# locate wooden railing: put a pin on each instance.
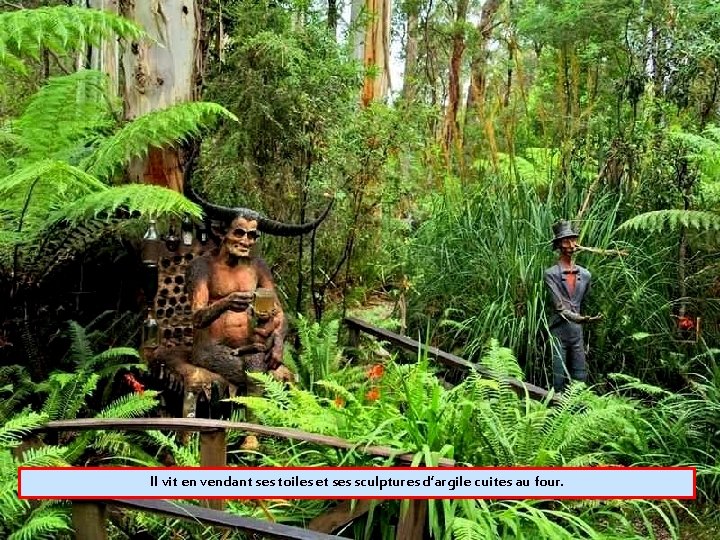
(90, 517)
(357, 326)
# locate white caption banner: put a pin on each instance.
(354, 483)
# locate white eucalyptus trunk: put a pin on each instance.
(106, 57)
(161, 74)
(377, 50)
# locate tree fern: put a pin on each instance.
(61, 29)
(158, 129)
(672, 220)
(63, 114)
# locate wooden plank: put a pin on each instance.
(340, 515)
(448, 359)
(205, 425)
(213, 453)
(265, 529)
(89, 519)
(412, 523)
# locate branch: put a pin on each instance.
(599, 251)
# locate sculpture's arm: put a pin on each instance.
(559, 305)
(203, 311)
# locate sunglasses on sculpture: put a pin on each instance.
(252, 234)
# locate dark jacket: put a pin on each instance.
(566, 307)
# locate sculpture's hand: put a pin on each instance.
(239, 301)
(595, 318)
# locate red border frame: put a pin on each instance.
(380, 497)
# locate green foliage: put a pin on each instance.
(158, 129)
(61, 29)
(319, 354)
(672, 220)
(480, 422)
(65, 208)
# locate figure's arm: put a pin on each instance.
(559, 306)
(204, 312)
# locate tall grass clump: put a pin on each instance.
(476, 267)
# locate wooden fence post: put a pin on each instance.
(89, 520)
(213, 453)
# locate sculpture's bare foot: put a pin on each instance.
(283, 374)
(250, 443)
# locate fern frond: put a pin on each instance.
(63, 113)
(80, 351)
(155, 129)
(45, 522)
(146, 199)
(672, 220)
(130, 405)
(12, 431)
(62, 29)
(63, 178)
(44, 456)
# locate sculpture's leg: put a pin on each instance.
(221, 360)
(254, 363)
(559, 353)
(576, 360)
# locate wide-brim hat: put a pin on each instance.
(563, 229)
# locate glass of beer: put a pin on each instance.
(264, 303)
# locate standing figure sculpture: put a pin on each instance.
(234, 335)
(568, 285)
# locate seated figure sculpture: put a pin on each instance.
(231, 337)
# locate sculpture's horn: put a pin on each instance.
(277, 228)
(221, 213)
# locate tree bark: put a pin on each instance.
(159, 75)
(450, 125)
(106, 57)
(478, 80)
(376, 51)
(411, 55)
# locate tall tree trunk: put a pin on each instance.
(332, 17)
(411, 55)
(106, 57)
(376, 53)
(450, 125)
(158, 75)
(478, 80)
(357, 35)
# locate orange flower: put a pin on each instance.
(375, 372)
(136, 385)
(373, 394)
(339, 402)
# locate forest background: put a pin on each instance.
(510, 115)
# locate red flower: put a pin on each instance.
(373, 394)
(339, 401)
(375, 372)
(136, 385)
(686, 323)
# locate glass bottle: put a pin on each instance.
(172, 242)
(186, 231)
(150, 331)
(202, 232)
(151, 245)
